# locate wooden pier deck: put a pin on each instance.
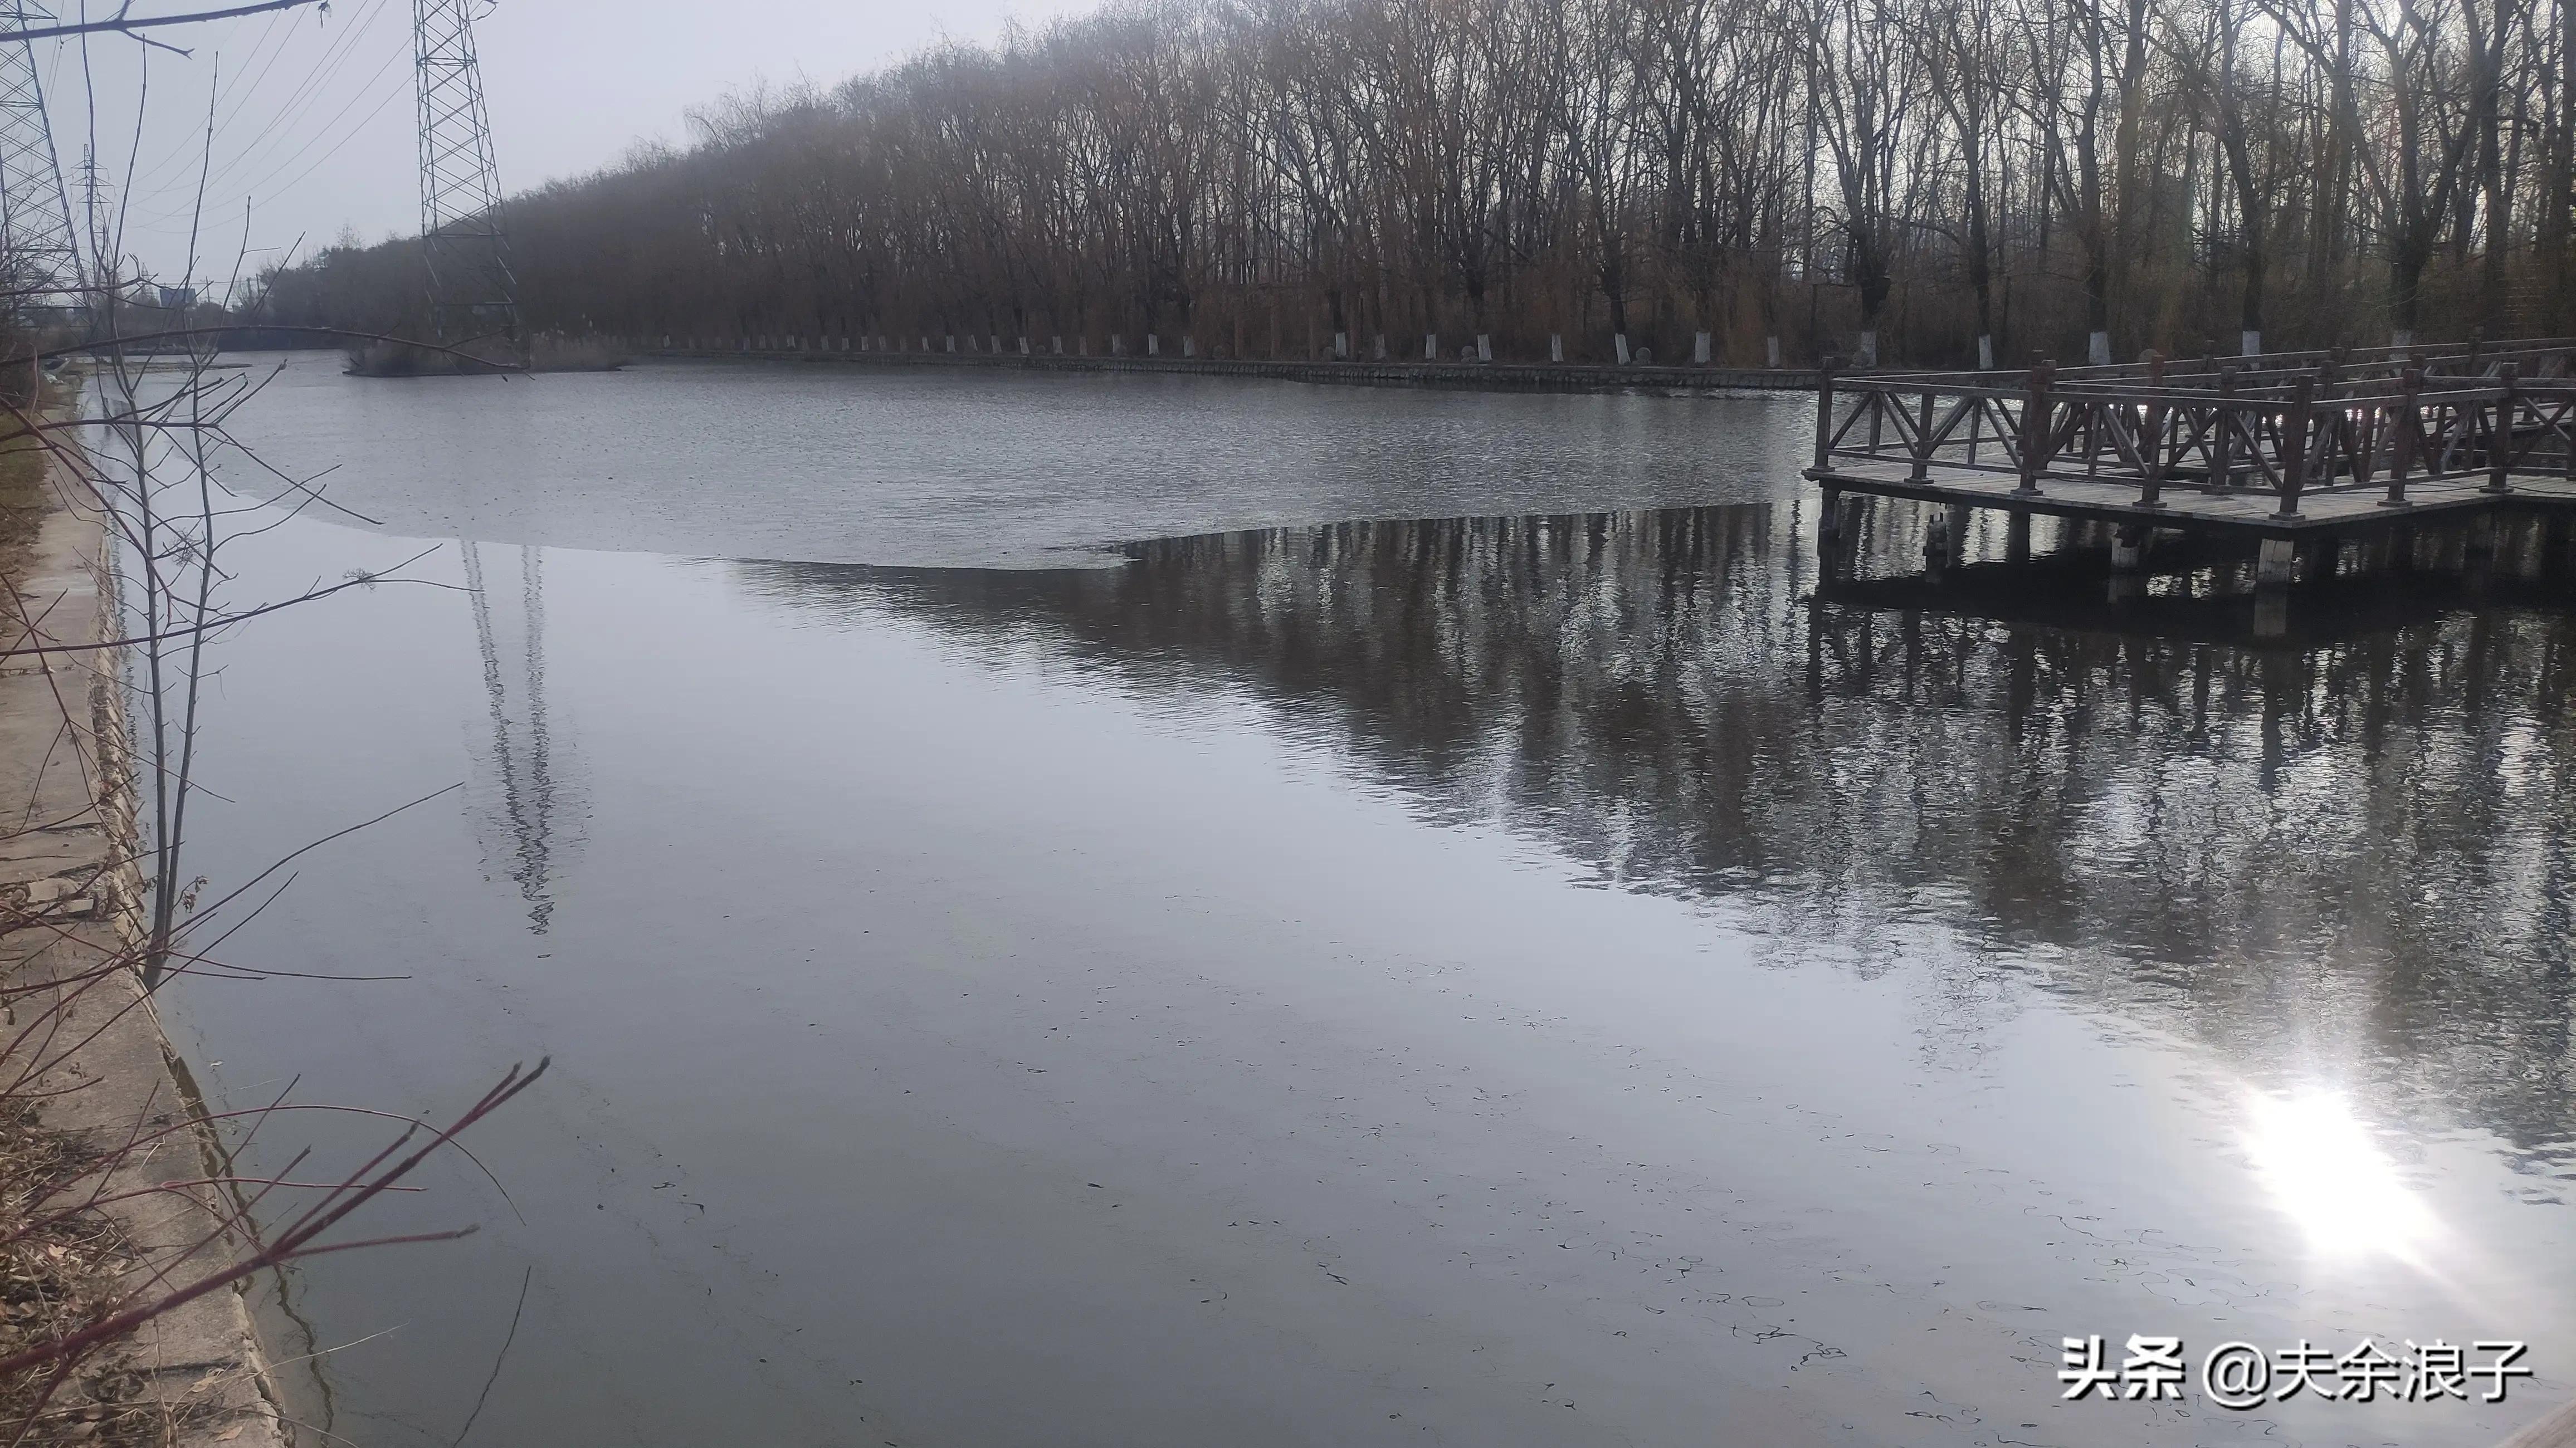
(2287, 450)
(2242, 511)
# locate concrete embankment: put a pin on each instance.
(1473, 376)
(107, 1077)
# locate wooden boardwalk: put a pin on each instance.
(2285, 450)
(2241, 511)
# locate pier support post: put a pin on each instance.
(2017, 536)
(1957, 530)
(2129, 547)
(2276, 561)
(2271, 612)
(1829, 523)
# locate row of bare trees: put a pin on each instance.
(1921, 179)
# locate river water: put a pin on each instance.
(1064, 912)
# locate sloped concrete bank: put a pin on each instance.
(70, 896)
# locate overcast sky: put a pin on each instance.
(314, 114)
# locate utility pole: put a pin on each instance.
(472, 293)
(42, 250)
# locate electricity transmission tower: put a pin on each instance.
(35, 212)
(471, 290)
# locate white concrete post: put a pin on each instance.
(2277, 562)
(1484, 347)
(1620, 342)
(1869, 349)
(1380, 350)
(2253, 343)
(1024, 346)
(1699, 349)
(1117, 345)
(1153, 344)
(952, 341)
(1341, 346)
(1059, 346)
(1430, 346)
(1189, 345)
(1771, 351)
(2402, 338)
(1556, 346)
(2097, 350)
(1985, 352)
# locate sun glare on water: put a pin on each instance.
(2323, 1169)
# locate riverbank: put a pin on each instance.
(95, 1107)
(1471, 376)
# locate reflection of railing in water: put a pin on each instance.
(2139, 818)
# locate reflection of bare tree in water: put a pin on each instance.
(522, 752)
(2348, 849)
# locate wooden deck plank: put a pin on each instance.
(2116, 500)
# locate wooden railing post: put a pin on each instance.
(2222, 446)
(2035, 428)
(1922, 472)
(2294, 446)
(2408, 421)
(1825, 409)
(2151, 451)
(2500, 432)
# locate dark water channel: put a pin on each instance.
(1550, 976)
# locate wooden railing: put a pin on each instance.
(2286, 432)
